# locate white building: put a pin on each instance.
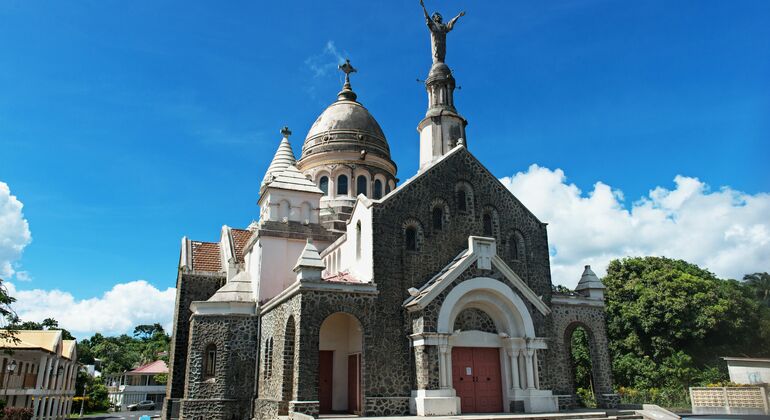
(137, 385)
(40, 373)
(748, 370)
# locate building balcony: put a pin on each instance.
(13, 381)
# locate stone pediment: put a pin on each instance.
(482, 251)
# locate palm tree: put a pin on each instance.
(760, 282)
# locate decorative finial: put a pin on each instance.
(285, 131)
(347, 93)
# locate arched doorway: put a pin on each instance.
(579, 341)
(289, 340)
(340, 348)
(493, 356)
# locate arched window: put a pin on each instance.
(361, 185)
(323, 184)
(210, 361)
(377, 189)
(461, 203)
(342, 185)
(487, 219)
(438, 218)
(513, 248)
(268, 358)
(387, 189)
(358, 240)
(410, 238)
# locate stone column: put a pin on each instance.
(445, 372)
(537, 370)
(513, 356)
(530, 369)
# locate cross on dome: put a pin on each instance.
(347, 93)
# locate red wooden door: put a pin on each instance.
(354, 383)
(488, 384)
(462, 378)
(476, 378)
(325, 374)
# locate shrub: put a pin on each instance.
(16, 413)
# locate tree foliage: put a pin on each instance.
(670, 321)
(7, 315)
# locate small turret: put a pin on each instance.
(284, 157)
(309, 264)
(589, 285)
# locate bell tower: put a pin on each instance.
(443, 127)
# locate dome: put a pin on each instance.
(345, 128)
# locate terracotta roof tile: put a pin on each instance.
(206, 256)
(158, 366)
(343, 277)
(240, 238)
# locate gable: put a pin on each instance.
(481, 251)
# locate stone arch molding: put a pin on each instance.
(507, 309)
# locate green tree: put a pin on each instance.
(760, 283)
(669, 321)
(7, 315)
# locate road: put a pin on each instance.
(125, 415)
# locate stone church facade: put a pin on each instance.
(354, 294)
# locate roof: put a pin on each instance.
(237, 289)
(342, 277)
(479, 249)
(153, 368)
(240, 239)
(589, 280)
(291, 178)
(309, 258)
(206, 256)
(47, 340)
(745, 359)
(283, 158)
(69, 349)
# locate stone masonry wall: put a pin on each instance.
(565, 319)
(232, 387)
(396, 269)
(189, 288)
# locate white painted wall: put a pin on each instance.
(271, 263)
(345, 255)
(749, 372)
(297, 206)
(342, 334)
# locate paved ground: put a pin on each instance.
(125, 415)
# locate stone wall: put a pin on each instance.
(189, 288)
(396, 269)
(231, 388)
(470, 319)
(565, 318)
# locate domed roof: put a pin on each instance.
(346, 126)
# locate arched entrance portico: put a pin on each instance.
(340, 348)
(498, 357)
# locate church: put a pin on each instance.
(356, 293)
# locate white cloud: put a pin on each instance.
(325, 62)
(725, 231)
(14, 231)
(117, 311)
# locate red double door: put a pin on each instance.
(326, 382)
(477, 379)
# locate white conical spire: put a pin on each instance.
(284, 157)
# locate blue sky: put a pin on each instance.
(126, 125)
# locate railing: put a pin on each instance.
(729, 400)
(12, 381)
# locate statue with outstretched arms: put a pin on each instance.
(438, 31)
